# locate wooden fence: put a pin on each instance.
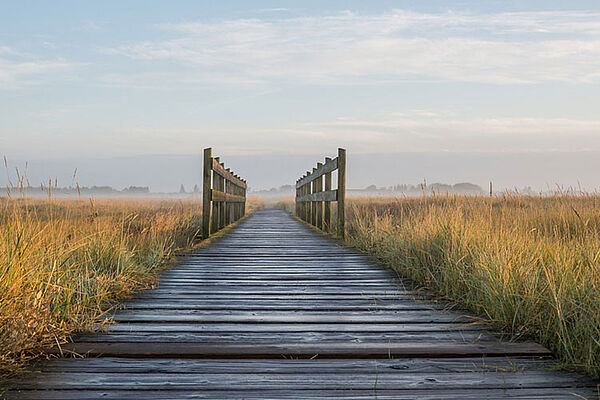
(314, 194)
(224, 191)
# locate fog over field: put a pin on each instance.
(540, 171)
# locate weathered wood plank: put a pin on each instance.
(257, 380)
(291, 327)
(268, 337)
(295, 366)
(217, 195)
(373, 393)
(303, 350)
(330, 195)
(365, 317)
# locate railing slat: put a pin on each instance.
(218, 196)
(219, 169)
(323, 169)
(330, 195)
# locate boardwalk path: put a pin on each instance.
(275, 310)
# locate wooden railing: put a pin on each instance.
(314, 194)
(224, 191)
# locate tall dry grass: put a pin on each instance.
(529, 264)
(64, 262)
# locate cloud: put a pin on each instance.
(349, 48)
(409, 131)
(443, 131)
(18, 70)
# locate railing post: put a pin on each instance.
(304, 205)
(244, 204)
(313, 204)
(222, 211)
(296, 199)
(206, 192)
(227, 210)
(308, 203)
(214, 220)
(341, 193)
(319, 182)
(327, 204)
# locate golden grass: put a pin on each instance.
(529, 264)
(64, 262)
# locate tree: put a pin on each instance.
(181, 189)
(196, 189)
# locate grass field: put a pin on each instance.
(64, 262)
(530, 264)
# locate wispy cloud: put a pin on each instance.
(18, 70)
(347, 48)
(444, 131)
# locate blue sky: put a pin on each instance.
(122, 79)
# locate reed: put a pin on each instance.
(64, 263)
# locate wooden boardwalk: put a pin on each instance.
(274, 310)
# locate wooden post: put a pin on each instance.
(304, 204)
(227, 204)
(313, 204)
(319, 182)
(244, 204)
(327, 204)
(222, 212)
(308, 203)
(206, 192)
(214, 220)
(341, 194)
(302, 208)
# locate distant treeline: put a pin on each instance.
(400, 189)
(440, 188)
(39, 191)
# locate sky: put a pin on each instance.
(95, 85)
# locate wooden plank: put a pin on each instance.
(244, 306)
(374, 393)
(230, 316)
(379, 283)
(228, 175)
(281, 290)
(268, 337)
(331, 296)
(308, 381)
(303, 350)
(330, 195)
(329, 166)
(167, 327)
(217, 195)
(295, 366)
